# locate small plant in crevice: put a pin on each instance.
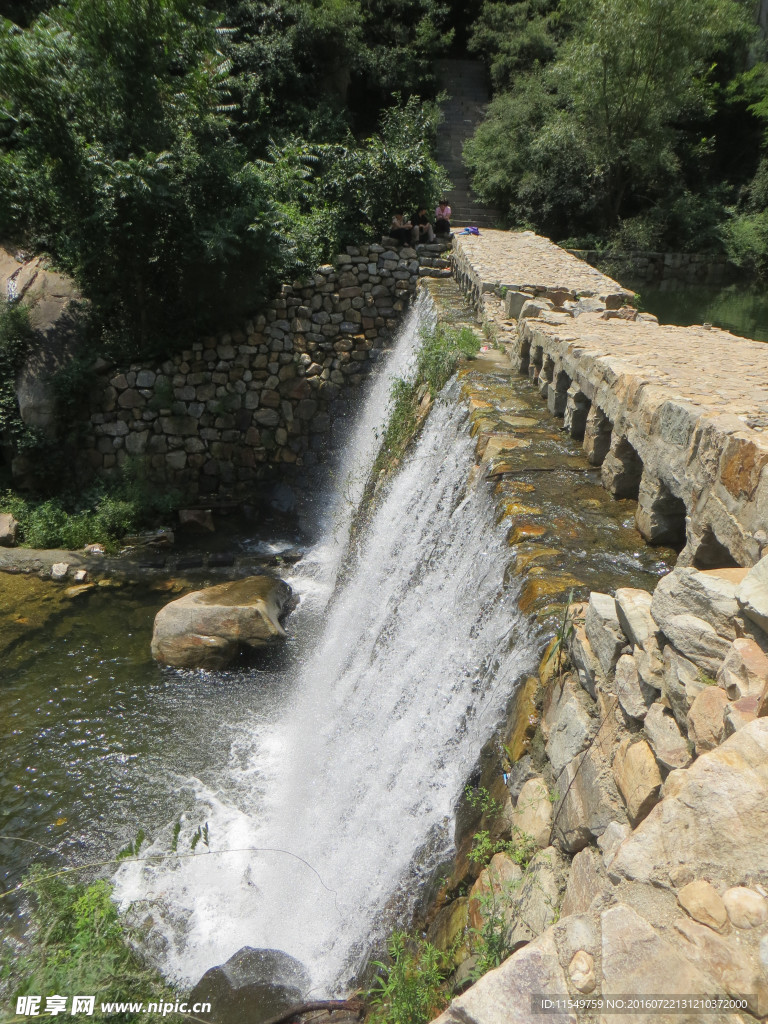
(409, 989)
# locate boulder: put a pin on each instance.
(496, 886)
(603, 630)
(649, 663)
(682, 684)
(711, 820)
(752, 594)
(687, 591)
(533, 814)
(253, 986)
(587, 880)
(666, 740)
(726, 961)
(702, 902)
(59, 570)
(535, 905)
(505, 994)
(745, 907)
(9, 530)
(567, 722)
(637, 777)
(633, 695)
(610, 841)
(209, 628)
(744, 671)
(587, 803)
(738, 714)
(584, 660)
(705, 719)
(636, 959)
(697, 640)
(633, 608)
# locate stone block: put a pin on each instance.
(634, 696)
(568, 722)
(633, 608)
(688, 591)
(752, 594)
(705, 719)
(745, 907)
(587, 881)
(665, 739)
(535, 905)
(603, 630)
(701, 901)
(532, 817)
(587, 802)
(739, 713)
(696, 640)
(500, 879)
(745, 670)
(637, 777)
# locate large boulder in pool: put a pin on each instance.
(211, 628)
(252, 987)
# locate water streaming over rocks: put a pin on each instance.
(393, 688)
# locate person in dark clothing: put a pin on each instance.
(426, 234)
(401, 229)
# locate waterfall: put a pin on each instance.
(398, 683)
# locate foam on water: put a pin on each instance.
(408, 671)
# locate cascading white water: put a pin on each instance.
(408, 674)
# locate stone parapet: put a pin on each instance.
(674, 416)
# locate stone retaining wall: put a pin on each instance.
(657, 267)
(224, 412)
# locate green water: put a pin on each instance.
(739, 308)
(96, 739)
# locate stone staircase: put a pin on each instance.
(465, 83)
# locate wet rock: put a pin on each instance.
(711, 820)
(744, 671)
(198, 520)
(696, 640)
(633, 695)
(448, 931)
(752, 594)
(705, 719)
(81, 576)
(505, 994)
(59, 570)
(9, 530)
(567, 723)
(702, 902)
(533, 815)
(687, 591)
(587, 803)
(637, 777)
(603, 630)
(745, 907)
(633, 608)
(252, 987)
(666, 740)
(587, 880)
(209, 628)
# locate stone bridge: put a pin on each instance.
(677, 417)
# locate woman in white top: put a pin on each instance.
(443, 218)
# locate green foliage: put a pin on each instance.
(437, 359)
(409, 990)
(515, 36)
(611, 124)
(490, 943)
(103, 515)
(77, 945)
(15, 338)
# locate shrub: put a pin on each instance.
(410, 990)
(77, 944)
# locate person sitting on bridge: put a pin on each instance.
(443, 218)
(401, 229)
(426, 234)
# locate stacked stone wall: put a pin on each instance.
(229, 409)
